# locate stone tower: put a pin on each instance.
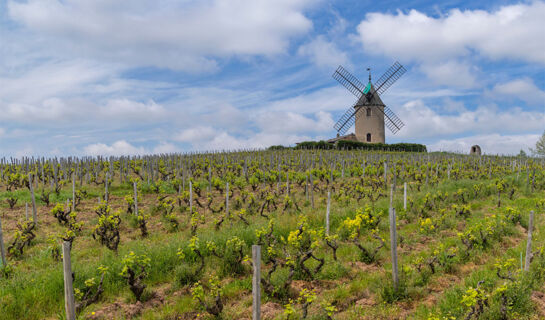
(475, 150)
(370, 119)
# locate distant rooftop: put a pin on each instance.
(351, 137)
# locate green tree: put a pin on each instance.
(540, 146)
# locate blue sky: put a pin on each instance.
(93, 77)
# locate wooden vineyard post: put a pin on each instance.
(393, 245)
(245, 168)
(529, 243)
(190, 197)
(395, 177)
(391, 195)
(55, 178)
(288, 183)
(135, 198)
(256, 280)
(306, 189)
(2, 248)
(69, 303)
(278, 180)
(33, 198)
(385, 175)
(227, 200)
(209, 179)
(527, 178)
(311, 192)
(328, 208)
(533, 181)
(427, 175)
(73, 192)
(405, 196)
(183, 179)
(106, 189)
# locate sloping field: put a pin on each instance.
(184, 250)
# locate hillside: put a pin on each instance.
(461, 241)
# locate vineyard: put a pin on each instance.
(170, 236)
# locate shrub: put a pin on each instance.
(211, 299)
(107, 230)
(233, 257)
(135, 270)
(60, 213)
(22, 238)
(91, 292)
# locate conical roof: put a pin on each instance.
(375, 100)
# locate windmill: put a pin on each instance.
(369, 113)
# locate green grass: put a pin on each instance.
(34, 289)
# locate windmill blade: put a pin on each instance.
(349, 81)
(391, 120)
(348, 119)
(389, 77)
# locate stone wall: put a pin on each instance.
(373, 124)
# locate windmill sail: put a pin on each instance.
(349, 81)
(347, 120)
(367, 95)
(389, 77)
(394, 123)
(391, 120)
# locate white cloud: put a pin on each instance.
(421, 121)
(165, 147)
(451, 73)
(25, 152)
(183, 35)
(489, 143)
(452, 106)
(51, 79)
(196, 134)
(338, 26)
(323, 53)
(225, 141)
(260, 128)
(90, 104)
(117, 148)
(227, 116)
(122, 147)
(290, 122)
(446, 48)
(511, 32)
(50, 111)
(54, 111)
(54, 92)
(208, 138)
(523, 89)
(328, 99)
(131, 110)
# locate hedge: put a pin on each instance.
(356, 145)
